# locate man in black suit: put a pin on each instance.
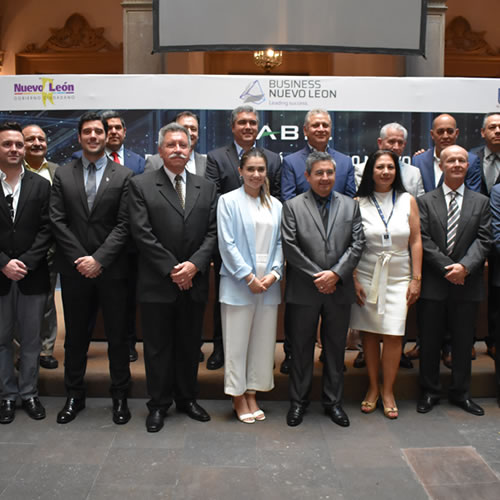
(89, 215)
(24, 278)
(323, 239)
(173, 222)
(35, 142)
(222, 168)
(456, 236)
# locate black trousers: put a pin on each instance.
(304, 324)
(496, 332)
(79, 295)
(459, 318)
(172, 334)
(217, 320)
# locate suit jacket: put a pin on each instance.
(222, 168)
(102, 232)
(166, 235)
(495, 229)
(473, 242)
(425, 162)
(293, 180)
(480, 154)
(410, 176)
(131, 160)
(309, 249)
(154, 162)
(236, 236)
(28, 237)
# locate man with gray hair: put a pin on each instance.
(222, 168)
(322, 236)
(173, 222)
(393, 137)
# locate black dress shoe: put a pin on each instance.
(359, 361)
(7, 411)
(295, 414)
(413, 353)
(34, 408)
(193, 410)
(132, 354)
(426, 403)
(216, 359)
(49, 362)
(70, 410)
(338, 415)
(286, 365)
(469, 406)
(121, 413)
(154, 421)
(405, 362)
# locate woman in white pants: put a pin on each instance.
(248, 225)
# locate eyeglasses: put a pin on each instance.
(10, 202)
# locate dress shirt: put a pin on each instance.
(99, 170)
(120, 153)
(43, 170)
(240, 150)
(172, 177)
(191, 165)
(491, 167)
(459, 198)
(15, 192)
(438, 173)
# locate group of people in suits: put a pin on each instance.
(186, 210)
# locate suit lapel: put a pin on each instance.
(465, 211)
(311, 205)
(167, 190)
(80, 185)
(234, 161)
(26, 187)
(334, 210)
(192, 193)
(4, 207)
(248, 226)
(441, 209)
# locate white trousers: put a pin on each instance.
(249, 338)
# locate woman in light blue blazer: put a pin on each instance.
(248, 225)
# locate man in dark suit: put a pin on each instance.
(456, 236)
(89, 215)
(222, 168)
(173, 222)
(35, 142)
(317, 131)
(323, 239)
(444, 133)
(495, 278)
(24, 278)
(489, 160)
(115, 150)
(197, 163)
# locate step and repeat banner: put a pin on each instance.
(358, 107)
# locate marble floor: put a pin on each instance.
(446, 454)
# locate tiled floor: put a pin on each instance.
(444, 454)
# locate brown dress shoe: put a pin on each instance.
(413, 353)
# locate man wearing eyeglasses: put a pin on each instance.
(24, 278)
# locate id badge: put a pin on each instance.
(386, 240)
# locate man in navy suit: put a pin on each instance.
(444, 133)
(117, 131)
(317, 131)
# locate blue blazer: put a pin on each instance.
(132, 160)
(236, 234)
(293, 180)
(425, 162)
(495, 229)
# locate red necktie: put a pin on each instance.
(115, 156)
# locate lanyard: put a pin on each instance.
(386, 224)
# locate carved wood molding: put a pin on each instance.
(461, 39)
(75, 35)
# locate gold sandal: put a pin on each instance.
(368, 406)
(391, 413)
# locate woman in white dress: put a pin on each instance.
(248, 225)
(388, 276)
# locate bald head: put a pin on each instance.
(454, 161)
(444, 132)
(35, 142)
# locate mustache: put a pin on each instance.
(178, 155)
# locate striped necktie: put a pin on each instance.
(90, 187)
(453, 215)
(178, 188)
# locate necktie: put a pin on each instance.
(90, 187)
(324, 211)
(453, 215)
(491, 171)
(178, 188)
(115, 156)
